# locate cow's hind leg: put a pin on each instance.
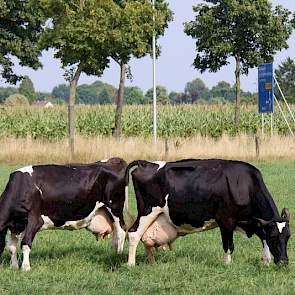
(228, 244)
(136, 232)
(11, 245)
(150, 254)
(34, 224)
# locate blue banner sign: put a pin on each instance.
(266, 88)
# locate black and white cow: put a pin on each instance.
(72, 196)
(178, 198)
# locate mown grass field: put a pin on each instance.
(74, 263)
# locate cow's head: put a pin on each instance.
(277, 234)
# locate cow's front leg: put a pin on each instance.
(266, 254)
(228, 244)
(135, 233)
(11, 245)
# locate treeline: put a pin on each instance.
(99, 92)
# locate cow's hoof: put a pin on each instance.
(14, 266)
(26, 268)
(266, 261)
(227, 259)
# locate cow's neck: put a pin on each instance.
(266, 208)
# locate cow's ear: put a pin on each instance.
(261, 222)
(286, 214)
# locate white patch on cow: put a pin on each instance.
(103, 161)
(11, 244)
(266, 254)
(27, 169)
(38, 188)
(281, 226)
(118, 235)
(48, 224)
(227, 257)
(161, 164)
(26, 258)
(241, 231)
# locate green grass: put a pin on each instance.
(74, 263)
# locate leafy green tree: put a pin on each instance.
(178, 97)
(61, 92)
(16, 100)
(195, 90)
(285, 75)
(45, 96)
(104, 97)
(20, 28)
(80, 32)
(107, 93)
(134, 95)
(132, 33)
(249, 31)
(27, 89)
(223, 89)
(87, 94)
(5, 92)
(162, 95)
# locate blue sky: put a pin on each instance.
(174, 66)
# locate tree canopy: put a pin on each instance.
(285, 75)
(162, 95)
(249, 31)
(27, 89)
(20, 28)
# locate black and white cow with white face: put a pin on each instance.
(72, 196)
(183, 197)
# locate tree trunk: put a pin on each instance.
(238, 93)
(71, 119)
(120, 96)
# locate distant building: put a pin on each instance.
(43, 103)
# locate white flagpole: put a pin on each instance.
(154, 85)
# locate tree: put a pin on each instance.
(134, 95)
(5, 92)
(20, 29)
(80, 32)
(285, 75)
(27, 89)
(178, 97)
(61, 92)
(132, 34)
(195, 90)
(162, 95)
(247, 30)
(223, 89)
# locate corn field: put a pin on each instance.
(173, 121)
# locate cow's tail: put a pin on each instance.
(129, 167)
(130, 216)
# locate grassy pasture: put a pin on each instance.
(74, 263)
